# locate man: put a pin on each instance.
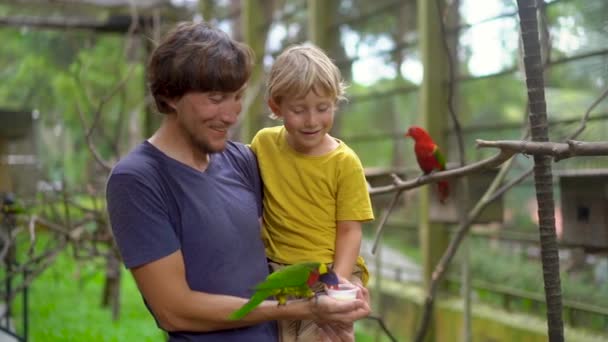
(185, 204)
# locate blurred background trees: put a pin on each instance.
(78, 68)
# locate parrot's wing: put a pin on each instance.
(289, 276)
(439, 157)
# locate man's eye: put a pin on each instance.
(216, 98)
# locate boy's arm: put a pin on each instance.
(348, 243)
(178, 308)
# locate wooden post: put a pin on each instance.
(152, 118)
(321, 14)
(434, 110)
(318, 20)
(256, 18)
(5, 179)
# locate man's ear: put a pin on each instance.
(171, 103)
(274, 107)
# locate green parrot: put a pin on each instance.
(294, 280)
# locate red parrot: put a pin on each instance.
(429, 157)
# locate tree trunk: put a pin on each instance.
(254, 26)
(111, 288)
(542, 167)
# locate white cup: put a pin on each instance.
(344, 292)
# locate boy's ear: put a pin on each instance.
(274, 107)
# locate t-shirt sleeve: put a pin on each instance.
(353, 201)
(253, 175)
(140, 220)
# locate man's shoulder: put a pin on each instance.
(141, 161)
(237, 150)
(238, 155)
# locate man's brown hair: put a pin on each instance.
(197, 57)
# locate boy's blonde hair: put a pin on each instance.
(300, 69)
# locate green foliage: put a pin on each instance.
(64, 75)
(374, 121)
(513, 268)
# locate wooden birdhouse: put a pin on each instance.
(18, 161)
(448, 212)
(584, 201)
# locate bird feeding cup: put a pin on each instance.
(344, 292)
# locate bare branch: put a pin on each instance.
(558, 150)
(385, 214)
(116, 24)
(488, 163)
(106, 165)
(585, 117)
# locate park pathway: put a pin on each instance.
(395, 265)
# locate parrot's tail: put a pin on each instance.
(255, 300)
(444, 190)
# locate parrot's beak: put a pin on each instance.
(330, 279)
(407, 134)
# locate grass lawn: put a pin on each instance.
(66, 307)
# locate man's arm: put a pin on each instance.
(178, 308)
(348, 243)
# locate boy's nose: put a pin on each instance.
(310, 120)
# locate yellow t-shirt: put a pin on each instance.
(304, 196)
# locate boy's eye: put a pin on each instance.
(323, 108)
(297, 110)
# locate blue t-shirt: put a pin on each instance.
(158, 205)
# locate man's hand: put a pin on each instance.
(334, 333)
(330, 310)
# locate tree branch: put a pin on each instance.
(559, 151)
(488, 163)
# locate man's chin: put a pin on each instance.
(215, 147)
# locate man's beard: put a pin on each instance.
(202, 145)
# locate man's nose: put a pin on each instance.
(231, 111)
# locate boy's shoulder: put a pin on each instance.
(269, 132)
(346, 156)
(266, 135)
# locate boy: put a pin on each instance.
(315, 193)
